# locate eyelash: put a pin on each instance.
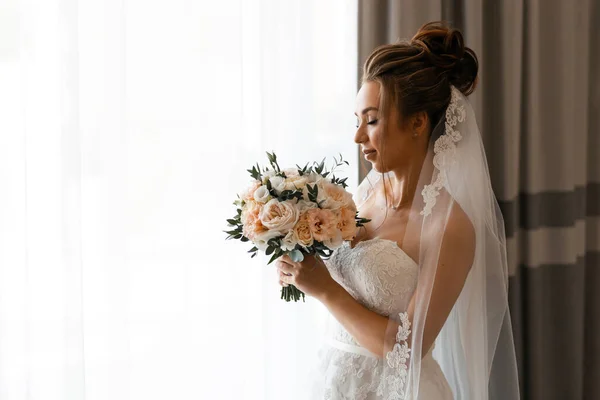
(371, 122)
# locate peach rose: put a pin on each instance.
(336, 196)
(280, 216)
(322, 223)
(302, 233)
(252, 225)
(347, 223)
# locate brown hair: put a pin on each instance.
(416, 75)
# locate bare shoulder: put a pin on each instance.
(459, 240)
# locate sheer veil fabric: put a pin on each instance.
(455, 232)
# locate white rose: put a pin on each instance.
(278, 184)
(261, 239)
(295, 182)
(262, 194)
(266, 175)
(288, 243)
(279, 215)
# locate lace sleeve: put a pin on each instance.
(393, 387)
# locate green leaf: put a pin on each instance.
(269, 156)
(253, 249)
(232, 222)
(270, 249)
(296, 255)
(275, 256)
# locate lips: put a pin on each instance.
(368, 151)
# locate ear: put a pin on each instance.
(419, 123)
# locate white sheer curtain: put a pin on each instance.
(126, 127)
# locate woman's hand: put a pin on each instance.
(310, 275)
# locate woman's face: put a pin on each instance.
(391, 150)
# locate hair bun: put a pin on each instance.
(446, 50)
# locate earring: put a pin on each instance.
(415, 134)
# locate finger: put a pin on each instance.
(286, 259)
(287, 279)
(285, 267)
(282, 283)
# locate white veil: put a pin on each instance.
(458, 230)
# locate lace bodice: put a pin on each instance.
(377, 273)
(382, 277)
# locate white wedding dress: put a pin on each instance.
(382, 277)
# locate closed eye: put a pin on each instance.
(373, 122)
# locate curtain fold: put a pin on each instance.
(538, 106)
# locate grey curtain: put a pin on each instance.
(538, 107)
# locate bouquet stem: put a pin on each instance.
(292, 292)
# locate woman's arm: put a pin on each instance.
(455, 260)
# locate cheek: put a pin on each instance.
(376, 139)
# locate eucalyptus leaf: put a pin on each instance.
(296, 256)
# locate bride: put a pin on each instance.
(418, 299)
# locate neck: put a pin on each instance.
(404, 183)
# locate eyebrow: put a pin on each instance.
(366, 110)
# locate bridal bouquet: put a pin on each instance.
(295, 211)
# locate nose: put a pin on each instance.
(361, 135)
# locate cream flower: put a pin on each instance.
(295, 182)
(302, 233)
(279, 216)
